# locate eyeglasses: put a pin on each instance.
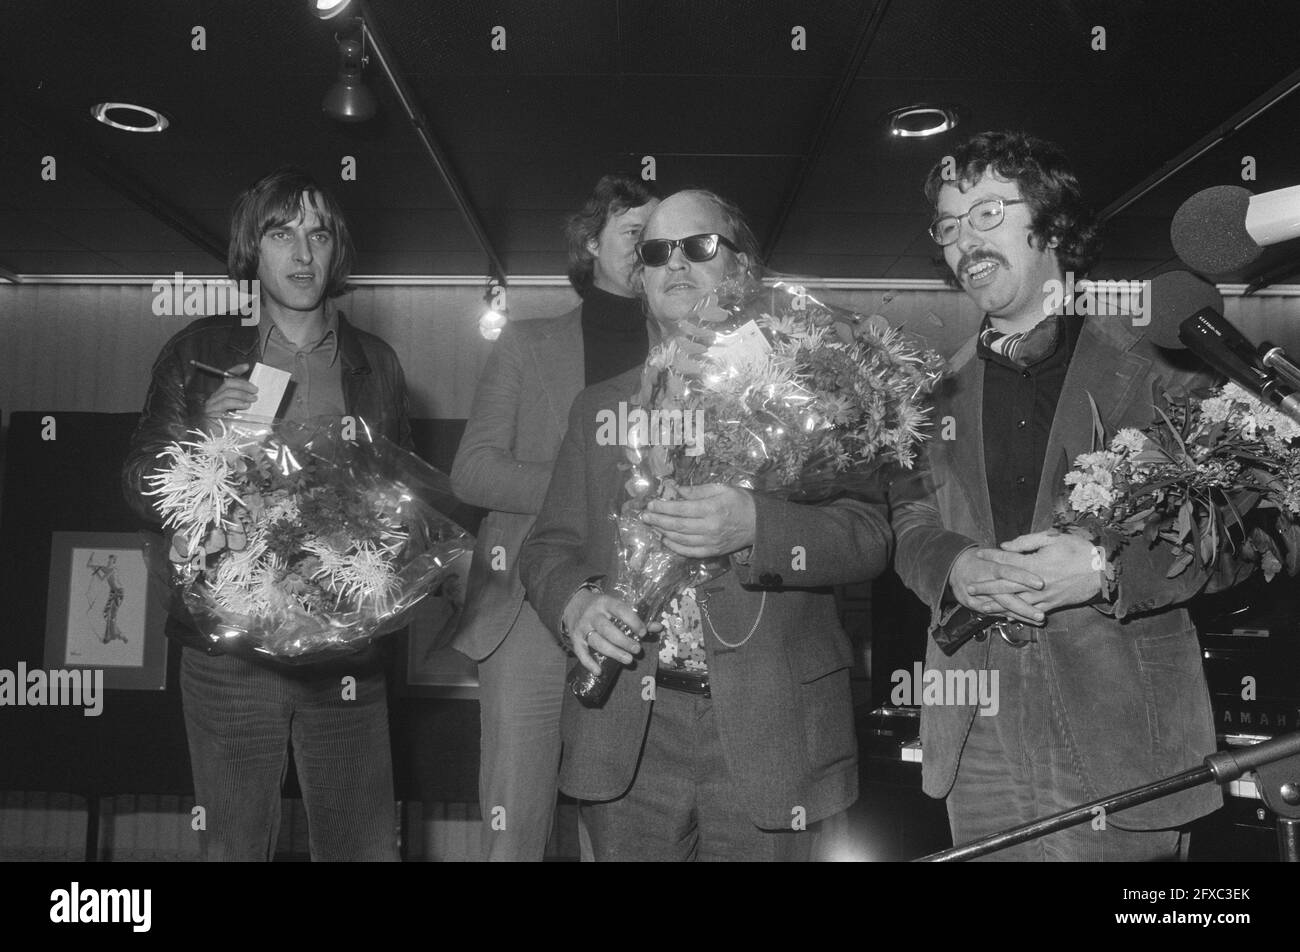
(984, 215)
(655, 252)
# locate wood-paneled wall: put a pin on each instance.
(90, 347)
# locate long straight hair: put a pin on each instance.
(276, 200)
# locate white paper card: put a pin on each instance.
(271, 385)
(743, 347)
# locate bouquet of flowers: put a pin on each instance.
(300, 541)
(1190, 479)
(792, 397)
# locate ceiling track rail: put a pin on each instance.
(1253, 110)
(866, 34)
(383, 54)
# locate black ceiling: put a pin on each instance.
(713, 90)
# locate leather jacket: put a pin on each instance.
(374, 389)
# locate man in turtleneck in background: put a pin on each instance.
(504, 463)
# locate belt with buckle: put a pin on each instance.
(1016, 634)
(679, 681)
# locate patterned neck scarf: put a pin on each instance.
(1024, 348)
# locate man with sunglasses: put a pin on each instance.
(732, 732)
(1100, 679)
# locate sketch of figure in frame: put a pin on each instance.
(107, 572)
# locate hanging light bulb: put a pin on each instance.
(494, 319)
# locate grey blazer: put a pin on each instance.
(1133, 698)
(504, 463)
(782, 699)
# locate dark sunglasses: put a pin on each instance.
(655, 252)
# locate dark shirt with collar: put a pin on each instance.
(317, 386)
(1019, 407)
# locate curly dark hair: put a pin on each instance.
(1046, 181)
(613, 195)
(276, 200)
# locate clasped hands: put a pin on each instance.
(1029, 576)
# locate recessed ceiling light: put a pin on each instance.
(129, 117)
(917, 122)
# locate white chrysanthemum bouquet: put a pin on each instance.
(297, 542)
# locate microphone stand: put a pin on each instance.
(1276, 763)
(1276, 360)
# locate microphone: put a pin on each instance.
(1174, 295)
(1226, 228)
(1208, 335)
(1265, 371)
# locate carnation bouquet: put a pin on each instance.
(1189, 480)
(792, 397)
(301, 541)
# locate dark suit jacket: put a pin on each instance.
(1133, 698)
(504, 464)
(782, 699)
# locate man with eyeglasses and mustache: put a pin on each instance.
(1100, 678)
(730, 749)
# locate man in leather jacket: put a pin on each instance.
(241, 716)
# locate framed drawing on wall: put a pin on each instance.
(103, 612)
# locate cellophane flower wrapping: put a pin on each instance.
(302, 541)
(1189, 480)
(792, 397)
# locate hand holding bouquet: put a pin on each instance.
(790, 397)
(297, 541)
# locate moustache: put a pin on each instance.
(975, 257)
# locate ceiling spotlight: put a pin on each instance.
(917, 122)
(329, 9)
(348, 100)
(129, 117)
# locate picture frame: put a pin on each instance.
(431, 666)
(104, 610)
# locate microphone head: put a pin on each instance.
(1176, 296)
(1209, 230)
